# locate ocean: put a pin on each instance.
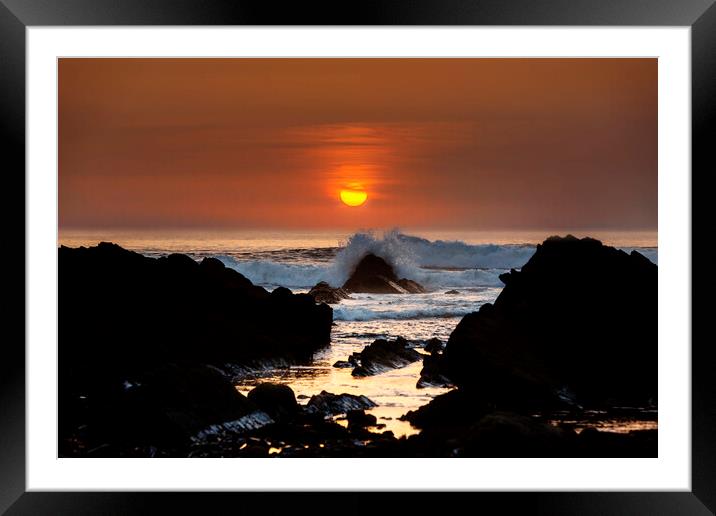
(466, 264)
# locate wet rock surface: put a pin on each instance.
(344, 364)
(448, 431)
(322, 292)
(330, 404)
(163, 408)
(432, 374)
(374, 275)
(382, 355)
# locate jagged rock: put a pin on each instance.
(431, 375)
(322, 292)
(251, 421)
(146, 309)
(411, 287)
(124, 317)
(344, 363)
(453, 292)
(578, 315)
(375, 276)
(331, 404)
(163, 407)
(382, 355)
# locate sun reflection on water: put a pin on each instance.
(393, 391)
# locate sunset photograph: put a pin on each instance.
(357, 257)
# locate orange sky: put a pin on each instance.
(437, 143)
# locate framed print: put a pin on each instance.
(272, 250)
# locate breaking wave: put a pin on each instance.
(293, 276)
(406, 253)
(435, 264)
(344, 313)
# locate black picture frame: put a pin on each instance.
(17, 15)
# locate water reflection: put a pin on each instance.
(619, 419)
(393, 391)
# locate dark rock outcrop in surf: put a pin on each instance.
(577, 324)
(322, 292)
(373, 275)
(126, 320)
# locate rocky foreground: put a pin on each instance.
(576, 325)
(140, 340)
(573, 332)
(142, 343)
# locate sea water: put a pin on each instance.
(465, 264)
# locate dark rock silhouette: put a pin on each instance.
(374, 275)
(359, 419)
(126, 320)
(432, 374)
(577, 324)
(503, 434)
(277, 400)
(330, 404)
(322, 292)
(411, 287)
(382, 355)
(120, 308)
(454, 408)
(165, 407)
(434, 345)
(461, 423)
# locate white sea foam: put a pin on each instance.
(406, 253)
(345, 313)
(435, 264)
(269, 273)
(302, 276)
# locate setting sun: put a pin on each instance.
(352, 197)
